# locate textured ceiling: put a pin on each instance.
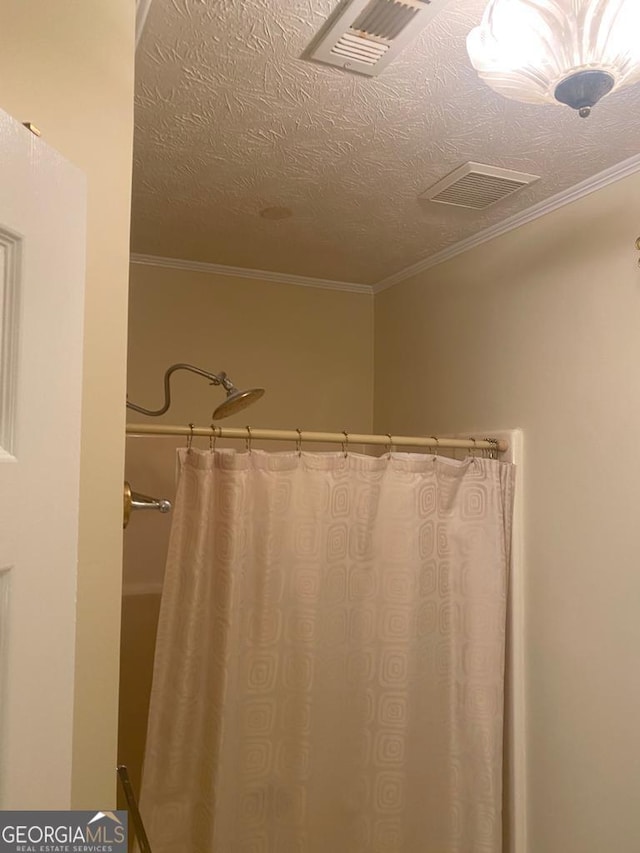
(229, 120)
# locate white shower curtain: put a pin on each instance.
(330, 657)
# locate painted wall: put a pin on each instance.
(310, 348)
(540, 329)
(68, 68)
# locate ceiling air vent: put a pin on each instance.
(365, 35)
(477, 186)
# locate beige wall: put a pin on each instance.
(540, 329)
(68, 68)
(312, 349)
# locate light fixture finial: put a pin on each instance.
(583, 89)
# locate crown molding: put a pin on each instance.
(242, 272)
(578, 191)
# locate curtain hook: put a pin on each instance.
(345, 443)
(299, 442)
(389, 447)
(437, 441)
(247, 441)
(190, 438)
(212, 439)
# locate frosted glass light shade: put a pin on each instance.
(525, 49)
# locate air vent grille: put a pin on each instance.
(477, 186)
(365, 35)
(385, 19)
(359, 49)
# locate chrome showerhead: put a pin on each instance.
(236, 401)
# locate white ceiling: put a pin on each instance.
(230, 120)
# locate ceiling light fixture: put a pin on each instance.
(570, 52)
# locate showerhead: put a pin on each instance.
(236, 401)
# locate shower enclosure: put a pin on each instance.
(329, 668)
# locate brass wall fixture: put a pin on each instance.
(135, 501)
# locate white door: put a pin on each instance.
(42, 245)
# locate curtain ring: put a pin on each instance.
(345, 443)
(389, 447)
(212, 439)
(190, 438)
(437, 441)
(247, 441)
(299, 442)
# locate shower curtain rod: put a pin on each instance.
(296, 435)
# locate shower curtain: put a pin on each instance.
(330, 656)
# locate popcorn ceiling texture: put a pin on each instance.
(230, 120)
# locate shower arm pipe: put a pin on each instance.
(343, 438)
(215, 379)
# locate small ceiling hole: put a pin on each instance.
(276, 213)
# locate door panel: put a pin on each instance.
(9, 329)
(42, 245)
